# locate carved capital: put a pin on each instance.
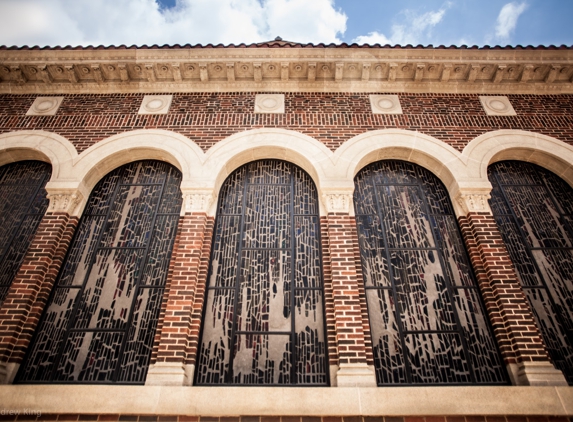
(339, 202)
(197, 202)
(474, 202)
(64, 201)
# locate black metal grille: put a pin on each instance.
(23, 203)
(427, 320)
(99, 323)
(264, 313)
(533, 209)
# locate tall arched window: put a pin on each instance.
(427, 320)
(23, 203)
(99, 323)
(533, 209)
(264, 314)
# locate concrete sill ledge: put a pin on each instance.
(268, 401)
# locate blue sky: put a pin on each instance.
(448, 22)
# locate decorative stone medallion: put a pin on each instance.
(385, 104)
(497, 106)
(45, 106)
(270, 103)
(155, 104)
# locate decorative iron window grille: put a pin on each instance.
(263, 320)
(100, 320)
(533, 209)
(427, 319)
(23, 203)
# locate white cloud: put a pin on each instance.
(115, 22)
(507, 20)
(414, 29)
(372, 38)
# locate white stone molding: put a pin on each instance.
(472, 201)
(497, 106)
(145, 144)
(385, 104)
(197, 201)
(545, 151)
(355, 375)
(338, 201)
(45, 106)
(441, 159)
(538, 374)
(270, 103)
(64, 201)
(169, 374)
(8, 371)
(39, 145)
(155, 104)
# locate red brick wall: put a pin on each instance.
(177, 334)
(514, 326)
(347, 289)
(28, 295)
(328, 293)
(332, 118)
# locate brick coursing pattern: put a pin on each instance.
(177, 337)
(331, 118)
(346, 280)
(513, 324)
(328, 293)
(29, 292)
(184, 418)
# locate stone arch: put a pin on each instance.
(155, 144)
(395, 144)
(39, 145)
(545, 151)
(238, 149)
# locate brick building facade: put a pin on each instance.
(433, 127)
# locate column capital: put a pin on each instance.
(65, 200)
(197, 200)
(471, 200)
(338, 200)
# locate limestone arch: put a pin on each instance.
(241, 148)
(545, 151)
(441, 159)
(155, 144)
(38, 145)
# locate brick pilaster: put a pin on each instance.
(328, 294)
(178, 331)
(28, 295)
(348, 312)
(519, 339)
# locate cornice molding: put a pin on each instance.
(288, 70)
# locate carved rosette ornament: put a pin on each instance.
(64, 202)
(197, 202)
(474, 202)
(338, 202)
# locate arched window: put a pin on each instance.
(533, 209)
(427, 320)
(264, 314)
(99, 323)
(23, 203)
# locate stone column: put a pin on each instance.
(177, 338)
(514, 326)
(353, 341)
(29, 292)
